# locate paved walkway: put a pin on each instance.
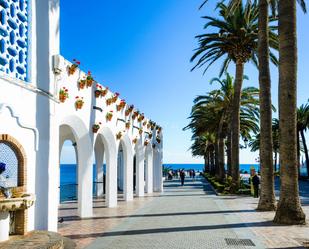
(182, 218)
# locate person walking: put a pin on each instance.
(256, 183)
(182, 177)
(193, 174)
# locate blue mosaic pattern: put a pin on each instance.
(14, 38)
(8, 156)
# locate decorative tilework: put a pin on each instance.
(14, 33)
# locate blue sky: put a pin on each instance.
(142, 48)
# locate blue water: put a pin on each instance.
(68, 173)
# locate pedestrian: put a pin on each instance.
(182, 177)
(256, 183)
(193, 174)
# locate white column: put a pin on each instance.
(4, 226)
(128, 175)
(46, 43)
(149, 172)
(85, 174)
(111, 179)
(140, 183)
(157, 160)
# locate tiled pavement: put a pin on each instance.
(182, 217)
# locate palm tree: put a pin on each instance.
(203, 146)
(302, 124)
(211, 113)
(237, 40)
(289, 210)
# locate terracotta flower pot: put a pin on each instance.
(95, 129)
(97, 93)
(62, 98)
(81, 84)
(79, 104)
(72, 69)
(89, 82)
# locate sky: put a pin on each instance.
(142, 49)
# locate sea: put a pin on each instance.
(68, 176)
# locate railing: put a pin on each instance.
(68, 192)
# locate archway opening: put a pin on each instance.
(68, 172)
(100, 171)
(120, 171)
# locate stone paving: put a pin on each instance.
(183, 217)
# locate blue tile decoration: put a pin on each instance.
(14, 31)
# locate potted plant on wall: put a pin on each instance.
(121, 105)
(96, 127)
(135, 140)
(119, 135)
(73, 67)
(135, 115)
(129, 110)
(98, 91)
(141, 117)
(81, 84)
(79, 102)
(150, 135)
(140, 131)
(104, 92)
(128, 125)
(109, 101)
(89, 79)
(63, 94)
(109, 115)
(115, 97)
(158, 140)
(146, 142)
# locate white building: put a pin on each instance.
(34, 123)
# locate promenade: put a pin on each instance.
(192, 216)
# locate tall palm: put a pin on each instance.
(236, 40)
(211, 113)
(302, 125)
(289, 210)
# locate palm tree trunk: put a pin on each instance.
(267, 200)
(298, 155)
(289, 210)
(221, 137)
(235, 125)
(217, 167)
(305, 149)
(212, 162)
(206, 166)
(229, 153)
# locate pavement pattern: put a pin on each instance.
(183, 217)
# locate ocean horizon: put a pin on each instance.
(68, 176)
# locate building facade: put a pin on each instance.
(46, 100)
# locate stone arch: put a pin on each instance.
(12, 144)
(105, 140)
(126, 144)
(78, 130)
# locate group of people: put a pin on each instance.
(182, 175)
